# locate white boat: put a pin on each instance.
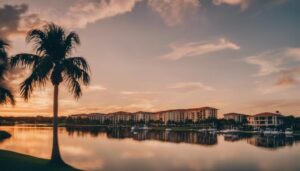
(288, 131)
(168, 129)
(212, 130)
(145, 127)
(274, 132)
(267, 131)
(202, 130)
(232, 130)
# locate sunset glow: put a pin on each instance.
(151, 55)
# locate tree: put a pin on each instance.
(52, 61)
(6, 95)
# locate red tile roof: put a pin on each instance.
(267, 114)
(226, 114)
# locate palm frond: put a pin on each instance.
(73, 69)
(25, 59)
(3, 58)
(6, 96)
(74, 86)
(38, 77)
(70, 42)
(3, 44)
(79, 62)
(38, 38)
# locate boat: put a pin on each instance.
(202, 130)
(232, 130)
(212, 130)
(133, 128)
(288, 131)
(274, 132)
(145, 127)
(267, 131)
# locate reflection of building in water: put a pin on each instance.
(176, 137)
(118, 133)
(236, 136)
(84, 131)
(271, 141)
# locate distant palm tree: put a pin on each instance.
(52, 61)
(6, 95)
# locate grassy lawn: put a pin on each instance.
(11, 161)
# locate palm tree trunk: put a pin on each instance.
(55, 157)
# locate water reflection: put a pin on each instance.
(165, 136)
(265, 141)
(120, 149)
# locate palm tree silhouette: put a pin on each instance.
(6, 95)
(52, 61)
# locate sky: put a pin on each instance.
(235, 55)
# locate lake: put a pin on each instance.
(120, 149)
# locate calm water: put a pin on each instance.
(114, 150)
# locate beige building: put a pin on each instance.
(79, 116)
(98, 117)
(237, 117)
(121, 116)
(176, 115)
(182, 115)
(142, 116)
(266, 119)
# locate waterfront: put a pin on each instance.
(98, 149)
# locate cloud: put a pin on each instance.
(84, 12)
(199, 49)
(274, 61)
(289, 77)
(276, 104)
(266, 67)
(293, 52)
(96, 88)
(173, 11)
(15, 20)
(191, 86)
(136, 92)
(243, 3)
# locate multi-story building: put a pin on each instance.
(79, 116)
(98, 117)
(142, 116)
(237, 117)
(194, 114)
(177, 115)
(266, 119)
(121, 116)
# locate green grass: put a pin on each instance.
(11, 161)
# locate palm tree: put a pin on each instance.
(6, 95)
(52, 61)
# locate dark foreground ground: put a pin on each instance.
(11, 161)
